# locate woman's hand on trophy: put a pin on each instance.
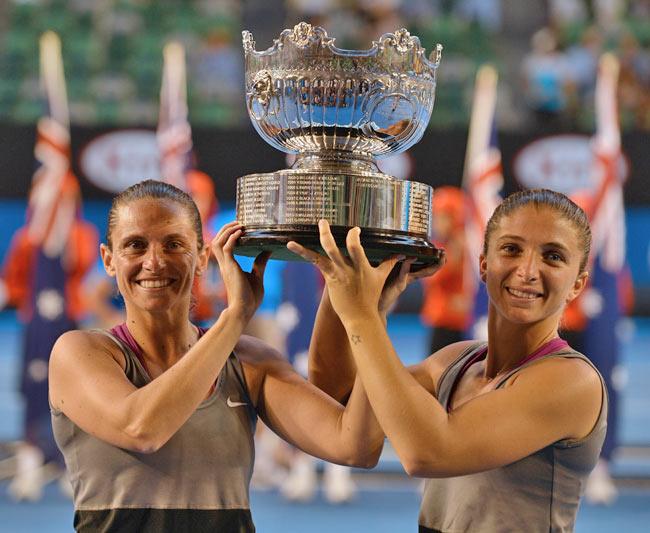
(400, 278)
(354, 285)
(244, 290)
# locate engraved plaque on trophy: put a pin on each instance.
(337, 110)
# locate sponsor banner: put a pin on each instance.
(116, 160)
(227, 154)
(563, 163)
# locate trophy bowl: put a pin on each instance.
(337, 110)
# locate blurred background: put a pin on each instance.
(546, 129)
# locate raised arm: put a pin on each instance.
(304, 415)
(88, 384)
(331, 364)
(547, 402)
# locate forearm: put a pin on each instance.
(160, 408)
(410, 416)
(331, 365)
(359, 430)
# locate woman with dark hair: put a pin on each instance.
(505, 431)
(155, 417)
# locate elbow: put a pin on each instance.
(369, 461)
(145, 446)
(418, 466)
(141, 439)
(415, 469)
(364, 458)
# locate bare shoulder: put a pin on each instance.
(80, 357)
(429, 371)
(566, 389)
(254, 351)
(76, 344)
(259, 360)
(569, 374)
(447, 355)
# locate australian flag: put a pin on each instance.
(52, 209)
(607, 217)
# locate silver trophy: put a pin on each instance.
(337, 110)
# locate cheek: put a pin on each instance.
(124, 266)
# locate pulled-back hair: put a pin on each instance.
(556, 201)
(150, 189)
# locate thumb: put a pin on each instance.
(387, 265)
(259, 265)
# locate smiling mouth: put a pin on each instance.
(526, 295)
(154, 283)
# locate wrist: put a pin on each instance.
(236, 316)
(362, 319)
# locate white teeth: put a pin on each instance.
(154, 283)
(521, 294)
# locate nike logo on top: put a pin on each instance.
(230, 403)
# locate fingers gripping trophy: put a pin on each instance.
(337, 110)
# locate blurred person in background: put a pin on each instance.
(218, 68)
(600, 488)
(634, 81)
(104, 306)
(42, 276)
(448, 296)
(547, 80)
(208, 291)
(582, 59)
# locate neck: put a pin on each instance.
(509, 344)
(164, 338)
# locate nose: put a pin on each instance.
(528, 268)
(154, 259)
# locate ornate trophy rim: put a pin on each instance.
(304, 35)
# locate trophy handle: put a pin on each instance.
(261, 93)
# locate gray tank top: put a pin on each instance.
(538, 493)
(198, 481)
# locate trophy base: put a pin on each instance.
(378, 245)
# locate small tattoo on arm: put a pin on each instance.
(356, 339)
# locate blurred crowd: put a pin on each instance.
(559, 71)
(113, 53)
(112, 50)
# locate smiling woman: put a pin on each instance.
(157, 251)
(155, 417)
(506, 431)
(536, 246)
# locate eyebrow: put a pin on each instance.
(552, 244)
(132, 236)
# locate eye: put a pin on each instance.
(554, 256)
(510, 248)
(135, 244)
(175, 245)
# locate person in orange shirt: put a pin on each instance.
(208, 292)
(447, 305)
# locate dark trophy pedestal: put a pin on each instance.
(377, 245)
